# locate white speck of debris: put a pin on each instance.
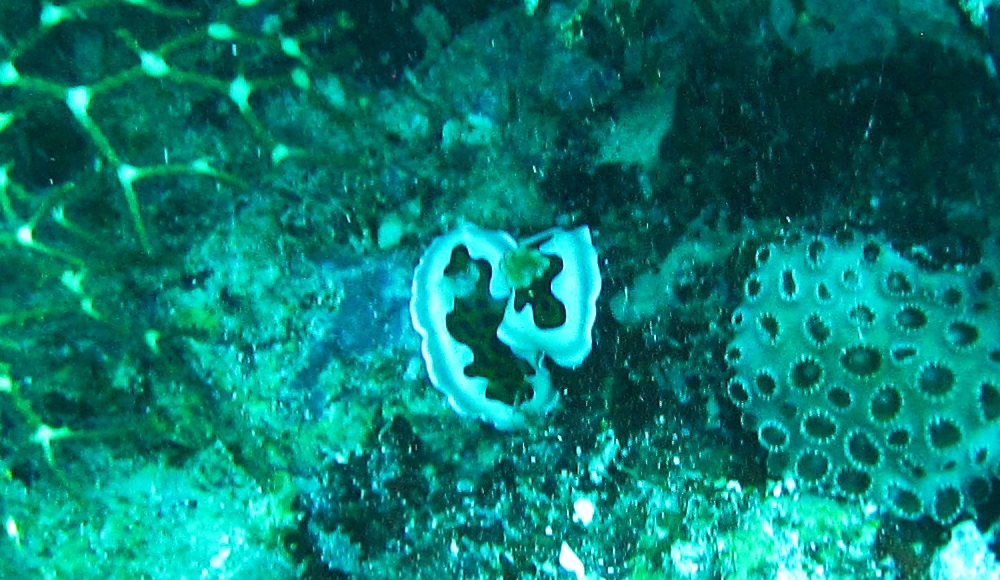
(571, 562)
(690, 559)
(219, 559)
(583, 511)
(390, 232)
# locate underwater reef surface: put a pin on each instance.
(211, 216)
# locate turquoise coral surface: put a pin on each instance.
(210, 216)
